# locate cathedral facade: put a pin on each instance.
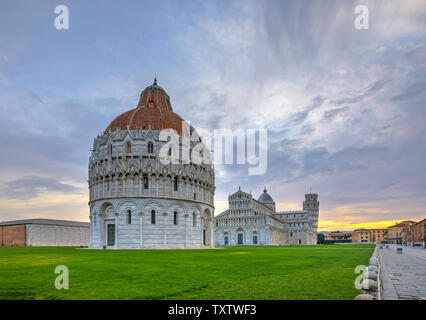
(256, 222)
(135, 199)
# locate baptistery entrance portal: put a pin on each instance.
(110, 235)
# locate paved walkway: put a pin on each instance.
(403, 276)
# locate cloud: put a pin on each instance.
(368, 92)
(413, 91)
(32, 186)
(329, 115)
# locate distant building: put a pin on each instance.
(338, 236)
(361, 236)
(256, 222)
(44, 232)
(396, 232)
(415, 234)
(378, 235)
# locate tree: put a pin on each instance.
(321, 238)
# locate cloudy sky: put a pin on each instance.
(345, 108)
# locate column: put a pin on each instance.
(211, 233)
(141, 229)
(116, 229)
(164, 229)
(186, 229)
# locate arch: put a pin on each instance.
(175, 217)
(153, 214)
(176, 183)
(196, 208)
(126, 204)
(150, 147)
(104, 207)
(153, 204)
(128, 147)
(176, 206)
(194, 219)
(207, 213)
(145, 181)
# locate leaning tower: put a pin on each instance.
(311, 204)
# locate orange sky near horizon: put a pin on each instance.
(74, 207)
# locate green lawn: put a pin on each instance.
(290, 272)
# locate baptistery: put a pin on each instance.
(143, 191)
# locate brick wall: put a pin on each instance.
(13, 236)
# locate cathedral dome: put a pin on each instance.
(153, 111)
(265, 197)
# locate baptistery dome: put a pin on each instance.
(153, 111)
(138, 200)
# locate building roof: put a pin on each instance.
(291, 212)
(340, 233)
(153, 111)
(403, 224)
(265, 197)
(46, 222)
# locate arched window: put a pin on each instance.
(194, 219)
(175, 217)
(150, 147)
(129, 217)
(128, 147)
(153, 217)
(145, 182)
(175, 184)
(110, 150)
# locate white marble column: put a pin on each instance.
(164, 230)
(186, 229)
(211, 233)
(116, 229)
(141, 229)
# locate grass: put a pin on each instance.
(290, 272)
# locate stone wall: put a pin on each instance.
(14, 236)
(55, 235)
(140, 232)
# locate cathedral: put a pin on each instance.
(256, 222)
(135, 199)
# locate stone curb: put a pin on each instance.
(371, 282)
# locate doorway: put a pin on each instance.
(240, 238)
(254, 239)
(110, 235)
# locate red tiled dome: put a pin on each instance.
(153, 111)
